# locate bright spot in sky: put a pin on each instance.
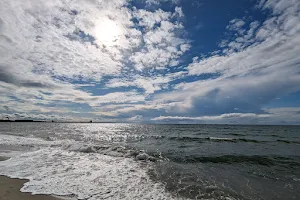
(107, 32)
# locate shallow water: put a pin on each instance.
(128, 161)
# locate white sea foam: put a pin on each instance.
(59, 171)
(30, 141)
(217, 138)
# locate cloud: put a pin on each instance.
(163, 44)
(59, 39)
(146, 110)
(39, 116)
(229, 116)
(149, 84)
(46, 48)
(249, 76)
(158, 2)
(137, 118)
(284, 115)
(236, 25)
(56, 60)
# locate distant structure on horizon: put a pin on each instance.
(6, 119)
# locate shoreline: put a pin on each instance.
(10, 189)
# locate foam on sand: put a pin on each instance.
(10, 190)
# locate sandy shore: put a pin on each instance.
(10, 189)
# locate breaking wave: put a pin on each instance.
(82, 171)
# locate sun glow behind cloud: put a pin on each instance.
(107, 32)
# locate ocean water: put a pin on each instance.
(129, 161)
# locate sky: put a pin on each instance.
(151, 61)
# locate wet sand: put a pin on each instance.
(10, 189)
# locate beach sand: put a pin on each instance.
(10, 189)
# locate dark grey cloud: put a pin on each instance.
(8, 77)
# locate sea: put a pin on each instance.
(140, 161)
